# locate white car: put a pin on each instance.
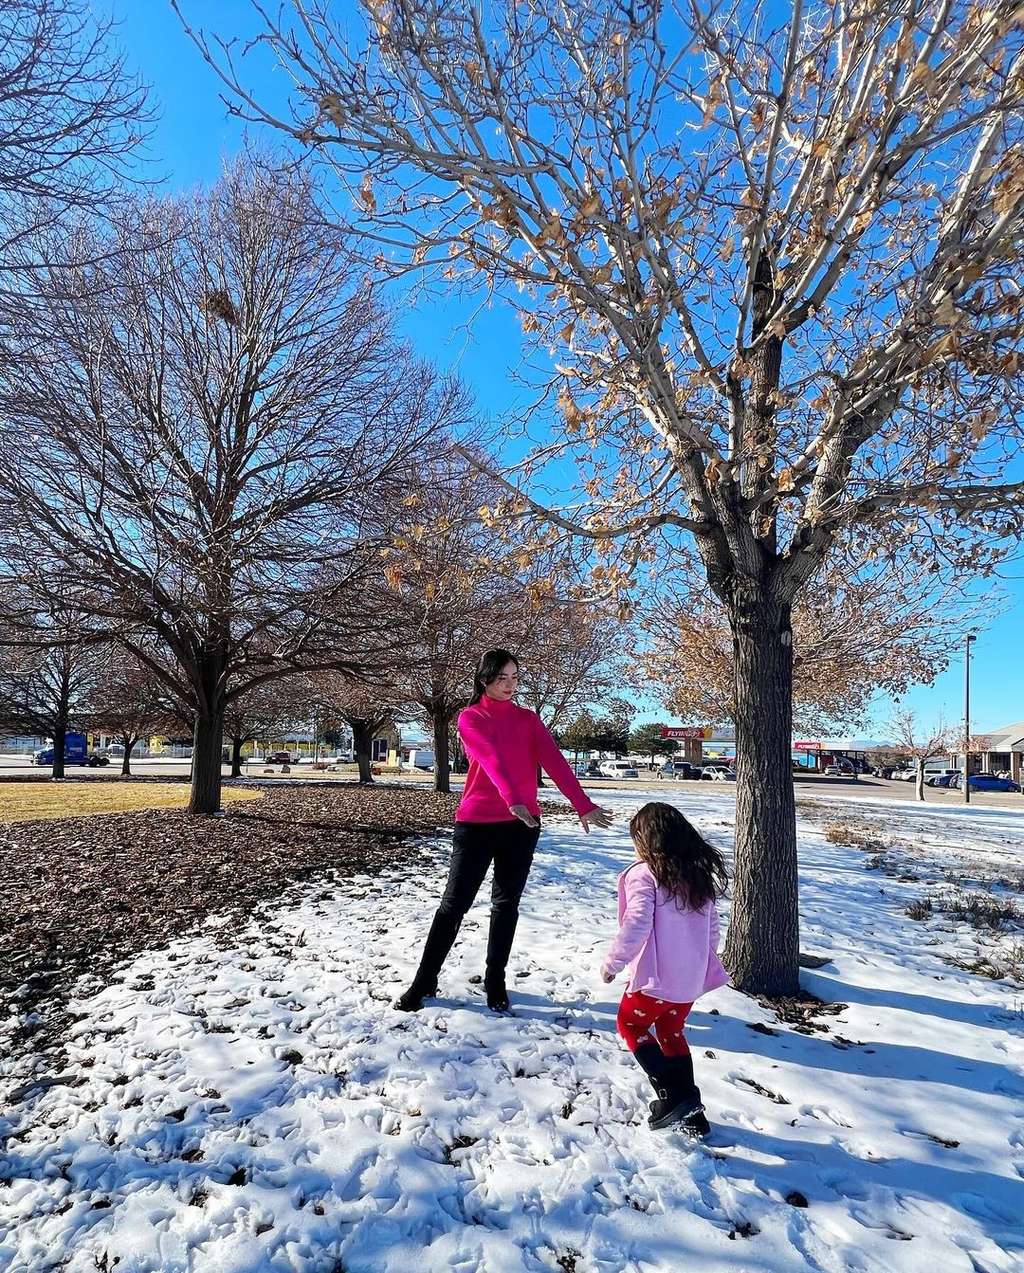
(718, 773)
(619, 769)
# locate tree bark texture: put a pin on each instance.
(762, 947)
(442, 722)
(208, 742)
(362, 743)
(60, 730)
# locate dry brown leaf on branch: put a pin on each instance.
(331, 106)
(981, 424)
(922, 77)
(366, 196)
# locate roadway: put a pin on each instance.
(807, 785)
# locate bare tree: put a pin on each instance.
(777, 263)
(365, 707)
(573, 655)
(208, 432)
(131, 701)
(71, 119)
(268, 710)
(50, 671)
(918, 742)
(459, 583)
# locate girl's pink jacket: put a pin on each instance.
(672, 951)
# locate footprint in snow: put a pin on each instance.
(985, 1209)
(825, 1115)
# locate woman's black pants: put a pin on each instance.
(475, 845)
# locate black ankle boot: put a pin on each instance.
(497, 994)
(412, 999)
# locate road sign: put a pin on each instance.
(686, 731)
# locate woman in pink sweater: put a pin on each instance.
(498, 820)
(668, 938)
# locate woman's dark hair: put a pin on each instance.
(489, 669)
(681, 860)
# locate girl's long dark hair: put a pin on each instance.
(681, 860)
(489, 669)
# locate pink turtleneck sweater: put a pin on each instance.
(505, 744)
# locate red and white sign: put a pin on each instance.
(807, 746)
(685, 731)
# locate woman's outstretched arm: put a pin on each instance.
(559, 771)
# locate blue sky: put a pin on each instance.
(195, 135)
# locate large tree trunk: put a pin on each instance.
(126, 759)
(236, 756)
(920, 777)
(442, 722)
(208, 742)
(60, 729)
(362, 743)
(762, 947)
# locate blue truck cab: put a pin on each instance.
(76, 752)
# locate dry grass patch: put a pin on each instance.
(42, 801)
(853, 833)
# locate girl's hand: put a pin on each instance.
(524, 815)
(595, 818)
(606, 976)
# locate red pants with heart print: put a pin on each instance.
(644, 1019)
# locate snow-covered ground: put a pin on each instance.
(257, 1105)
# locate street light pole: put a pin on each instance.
(967, 718)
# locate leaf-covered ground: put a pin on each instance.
(79, 895)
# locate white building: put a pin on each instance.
(998, 750)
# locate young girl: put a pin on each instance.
(668, 935)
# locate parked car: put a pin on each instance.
(76, 752)
(284, 758)
(984, 782)
(906, 774)
(718, 773)
(421, 758)
(840, 769)
(677, 769)
(619, 769)
(940, 778)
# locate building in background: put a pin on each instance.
(996, 751)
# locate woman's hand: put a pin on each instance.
(606, 976)
(524, 815)
(595, 818)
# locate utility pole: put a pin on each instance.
(967, 718)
